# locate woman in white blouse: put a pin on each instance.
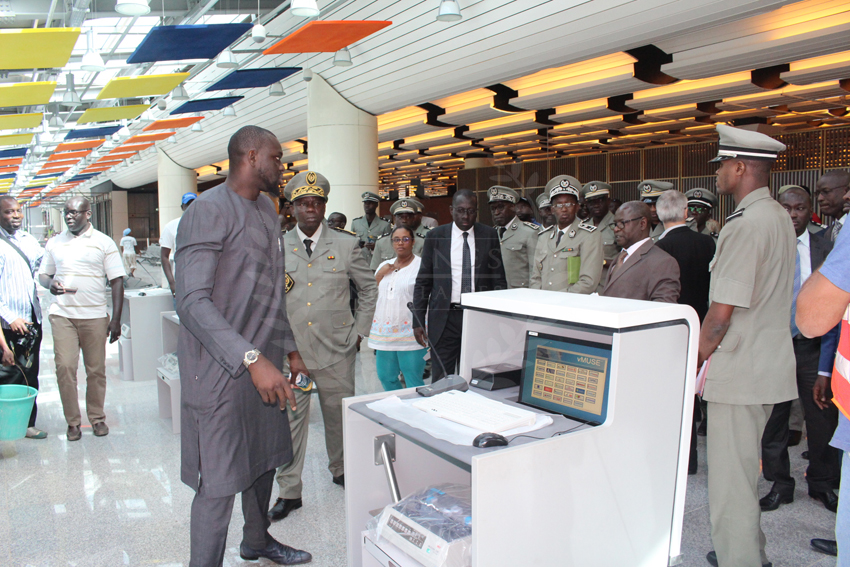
(396, 349)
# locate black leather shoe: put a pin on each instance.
(283, 507)
(340, 480)
(805, 455)
(794, 438)
(828, 498)
(276, 552)
(826, 546)
(712, 558)
(773, 500)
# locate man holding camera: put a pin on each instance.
(20, 312)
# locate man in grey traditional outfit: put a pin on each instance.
(234, 336)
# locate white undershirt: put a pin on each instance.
(457, 259)
(804, 248)
(633, 248)
(315, 237)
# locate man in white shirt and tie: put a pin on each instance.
(461, 257)
(813, 357)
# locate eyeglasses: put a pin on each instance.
(464, 212)
(564, 206)
(620, 225)
(73, 213)
(400, 239)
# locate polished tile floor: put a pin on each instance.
(118, 500)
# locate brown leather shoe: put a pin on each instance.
(100, 429)
(74, 433)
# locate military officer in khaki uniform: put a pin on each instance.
(701, 202)
(544, 209)
(406, 212)
(319, 263)
(650, 190)
(370, 226)
(517, 239)
(597, 194)
(569, 253)
(748, 337)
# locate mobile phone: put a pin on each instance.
(70, 290)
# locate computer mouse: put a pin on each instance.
(489, 440)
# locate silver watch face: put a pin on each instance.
(251, 357)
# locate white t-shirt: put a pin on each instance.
(168, 239)
(128, 244)
(85, 263)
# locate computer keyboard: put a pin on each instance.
(476, 411)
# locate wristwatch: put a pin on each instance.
(251, 357)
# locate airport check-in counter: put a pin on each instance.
(601, 494)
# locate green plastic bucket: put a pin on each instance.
(15, 408)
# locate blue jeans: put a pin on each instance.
(842, 519)
(409, 362)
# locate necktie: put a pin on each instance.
(308, 245)
(466, 269)
(798, 281)
(502, 230)
(836, 228)
(558, 239)
(620, 259)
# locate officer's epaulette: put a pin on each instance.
(383, 235)
(735, 215)
(423, 228)
(357, 218)
(345, 231)
(531, 225)
(547, 229)
(587, 227)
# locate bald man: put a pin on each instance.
(830, 191)
(76, 266)
(642, 270)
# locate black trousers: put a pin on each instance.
(447, 346)
(211, 517)
(824, 468)
(13, 375)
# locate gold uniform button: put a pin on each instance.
(310, 284)
(309, 304)
(309, 323)
(334, 269)
(309, 265)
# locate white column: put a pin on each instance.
(173, 181)
(343, 146)
(120, 215)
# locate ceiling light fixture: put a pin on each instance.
(132, 7)
(449, 11)
(179, 93)
(71, 99)
(92, 61)
(304, 8)
(277, 89)
(197, 127)
(230, 111)
(226, 60)
(342, 58)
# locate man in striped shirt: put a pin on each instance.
(19, 307)
(77, 264)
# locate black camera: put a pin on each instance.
(24, 344)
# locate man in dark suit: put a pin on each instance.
(642, 270)
(813, 357)
(693, 252)
(462, 257)
(830, 191)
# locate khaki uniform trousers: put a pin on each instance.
(69, 337)
(734, 449)
(334, 383)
